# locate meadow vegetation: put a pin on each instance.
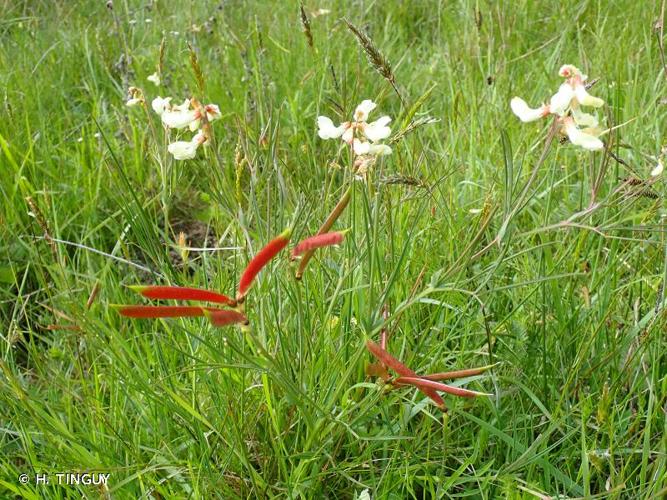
(480, 241)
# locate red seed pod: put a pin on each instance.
(318, 241)
(182, 293)
(260, 260)
(386, 358)
(422, 383)
(458, 373)
(226, 317)
(159, 311)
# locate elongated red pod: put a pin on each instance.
(182, 293)
(159, 311)
(226, 317)
(422, 383)
(318, 241)
(457, 373)
(390, 361)
(260, 260)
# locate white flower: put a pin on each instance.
(358, 132)
(364, 495)
(176, 118)
(186, 150)
(133, 101)
(160, 105)
(658, 169)
(154, 78)
(565, 104)
(579, 137)
(366, 148)
(212, 114)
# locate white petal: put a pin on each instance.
(582, 139)
(182, 107)
(348, 135)
(132, 102)
(561, 100)
(327, 129)
(583, 119)
(379, 149)
(378, 130)
(658, 169)
(154, 78)
(525, 113)
(585, 99)
(194, 125)
(161, 105)
(178, 119)
(183, 150)
(362, 111)
(360, 148)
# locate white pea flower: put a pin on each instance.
(212, 114)
(133, 101)
(160, 105)
(187, 150)
(566, 105)
(182, 116)
(358, 132)
(154, 78)
(658, 169)
(584, 138)
(366, 148)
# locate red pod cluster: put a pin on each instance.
(426, 383)
(390, 361)
(318, 241)
(260, 260)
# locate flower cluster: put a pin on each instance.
(364, 137)
(581, 128)
(190, 114)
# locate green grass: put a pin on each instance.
(572, 313)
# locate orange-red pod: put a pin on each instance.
(160, 311)
(402, 370)
(226, 317)
(422, 383)
(182, 293)
(260, 260)
(318, 241)
(457, 373)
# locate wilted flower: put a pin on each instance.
(186, 150)
(154, 78)
(566, 105)
(360, 134)
(136, 96)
